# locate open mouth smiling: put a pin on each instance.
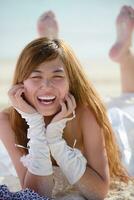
(46, 100)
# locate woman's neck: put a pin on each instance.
(48, 119)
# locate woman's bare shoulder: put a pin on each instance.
(4, 115)
(88, 122)
(85, 113)
(4, 119)
(5, 126)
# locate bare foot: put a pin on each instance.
(47, 25)
(125, 27)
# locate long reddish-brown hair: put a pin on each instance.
(43, 49)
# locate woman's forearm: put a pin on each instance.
(43, 185)
(92, 186)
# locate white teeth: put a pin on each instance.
(47, 98)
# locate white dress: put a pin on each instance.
(121, 115)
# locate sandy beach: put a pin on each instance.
(118, 190)
(106, 78)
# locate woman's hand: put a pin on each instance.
(17, 100)
(67, 107)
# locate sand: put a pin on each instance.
(121, 191)
(118, 190)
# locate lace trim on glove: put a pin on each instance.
(27, 161)
(26, 114)
(61, 123)
(64, 120)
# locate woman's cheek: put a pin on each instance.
(63, 87)
(29, 86)
(29, 91)
(63, 94)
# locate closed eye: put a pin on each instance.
(58, 76)
(36, 77)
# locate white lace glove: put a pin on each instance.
(70, 160)
(38, 160)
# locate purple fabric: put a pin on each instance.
(26, 194)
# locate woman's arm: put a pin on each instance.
(94, 183)
(90, 175)
(35, 168)
(41, 184)
(7, 136)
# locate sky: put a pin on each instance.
(87, 25)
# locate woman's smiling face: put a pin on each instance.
(46, 86)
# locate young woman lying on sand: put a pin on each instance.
(57, 124)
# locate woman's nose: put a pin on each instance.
(46, 83)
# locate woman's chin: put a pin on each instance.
(49, 113)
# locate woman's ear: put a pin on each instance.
(23, 96)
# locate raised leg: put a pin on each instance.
(121, 50)
(47, 25)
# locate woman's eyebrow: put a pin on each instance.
(54, 71)
(36, 70)
(58, 70)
